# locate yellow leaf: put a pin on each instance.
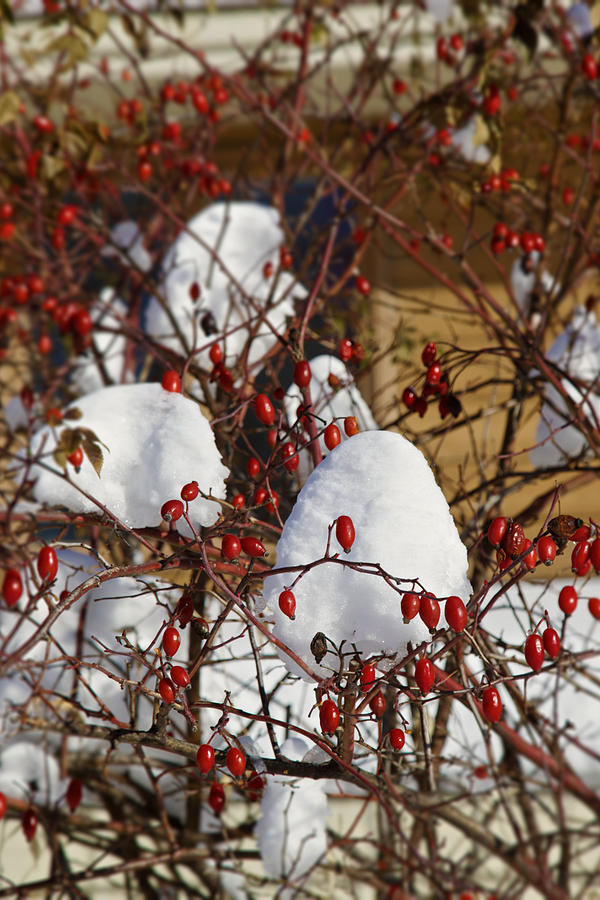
(9, 107)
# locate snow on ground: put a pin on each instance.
(156, 442)
(576, 352)
(224, 250)
(402, 522)
(334, 396)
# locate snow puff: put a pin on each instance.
(157, 441)
(577, 352)
(402, 522)
(223, 250)
(291, 830)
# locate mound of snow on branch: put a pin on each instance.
(334, 396)
(223, 250)
(156, 442)
(577, 353)
(402, 523)
(291, 830)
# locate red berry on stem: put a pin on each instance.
(567, 600)
(302, 373)
(546, 549)
(287, 604)
(491, 704)
(74, 793)
(429, 611)
(236, 761)
(180, 677)
(497, 530)
(216, 798)
(367, 677)
(595, 554)
(345, 349)
(12, 587)
(378, 704)
(429, 354)
(29, 824)
(397, 738)
(171, 510)
(434, 374)
(253, 467)
(171, 641)
(189, 491)
(171, 382)
(589, 66)
(351, 426)
(264, 409)
(216, 354)
(513, 541)
(551, 642)
(534, 652)
(205, 758)
(253, 547)
(166, 689)
(332, 436)
(47, 563)
(531, 559)
(455, 613)
(329, 716)
(344, 532)
(410, 605)
(3, 805)
(231, 546)
(594, 607)
(409, 397)
(424, 675)
(76, 457)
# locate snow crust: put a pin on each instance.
(291, 831)
(402, 522)
(157, 441)
(128, 238)
(224, 249)
(577, 352)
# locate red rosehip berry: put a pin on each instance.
(363, 285)
(166, 689)
(171, 641)
(215, 354)
(171, 510)
(236, 761)
(290, 458)
(367, 677)
(344, 532)
(546, 549)
(237, 501)
(455, 613)
(287, 604)
(3, 805)
(190, 491)
(264, 409)
(429, 611)
(567, 600)
(589, 66)
(179, 676)
(514, 540)
(434, 374)
(534, 652)
(253, 467)
(76, 457)
(171, 382)
(345, 350)
(253, 547)
(231, 546)
(429, 354)
(74, 793)
(595, 554)
(594, 607)
(491, 704)
(29, 824)
(47, 563)
(396, 738)
(530, 559)
(12, 587)
(329, 716)
(216, 798)
(332, 436)
(497, 530)
(185, 610)
(351, 426)
(205, 758)
(551, 641)
(378, 704)
(302, 373)
(409, 397)
(424, 675)
(410, 605)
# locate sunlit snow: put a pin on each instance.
(402, 522)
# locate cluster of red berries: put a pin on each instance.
(499, 182)
(536, 647)
(427, 607)
(504, 238)
(232, 546)
(448, 49)
(510, 542)
(568, 599)
(47, 569)
(351, 350)
(235, 761)
(436, 385)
